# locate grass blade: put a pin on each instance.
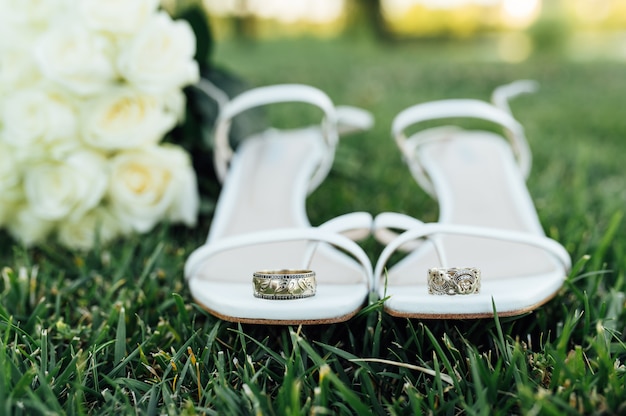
(120, 337)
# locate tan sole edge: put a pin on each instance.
(261, 321)
(503, 314)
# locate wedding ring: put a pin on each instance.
(453, 281)
(284, 284)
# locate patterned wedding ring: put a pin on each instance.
(284, 284)
(453, 281)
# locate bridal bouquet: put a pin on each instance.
(88, 91)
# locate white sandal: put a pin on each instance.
(263, 262)
(488, 247)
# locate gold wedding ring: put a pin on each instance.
(284, 284)
(453, 281)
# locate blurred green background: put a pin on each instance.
(385, 55)
(514, 29)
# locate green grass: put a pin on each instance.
(115, 329)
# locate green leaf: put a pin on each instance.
(199, 22)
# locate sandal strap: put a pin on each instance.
(386, 222)
(213, 92)
(467, 108)
(430, 230)
(353, 119)
(325, 233)
(502, 94)
(356, 226)
(274, 94)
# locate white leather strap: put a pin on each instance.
(353, 119)
(468, 108)
(355, 225)
(386, 222)
(212, 91)
(283, 93)
(431, 230)
(204, 252)
(504, 93)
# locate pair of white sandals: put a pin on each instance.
(263, 262)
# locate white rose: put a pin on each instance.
(176, 103)
(28, 227)
(10, 189)
(161, 56)
(58, 190)
(37, 116)
(9, 168)
(153, 184)
(125, 118)
(17, 64)
(17, 69)
(29, 12)
(97, 225)
(76, 58)
(117, 16)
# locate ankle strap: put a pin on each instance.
(499, 113)
(283, 93)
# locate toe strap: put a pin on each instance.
(431, 230)
(355, 225)
(385, 223)
(314, 235)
